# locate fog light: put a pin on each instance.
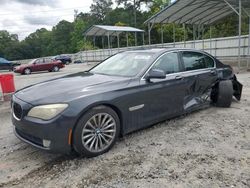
(46, 143)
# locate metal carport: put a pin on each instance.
(200, 13)
(109, 31)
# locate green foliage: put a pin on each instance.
(100, 8)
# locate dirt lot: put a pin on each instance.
(208, 148)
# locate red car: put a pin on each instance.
(39, 65)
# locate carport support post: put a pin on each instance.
(248, 60)
(109, 43)
(210, 33)
(149, 34)
(118, 41)
(127, 38)
(143, 39)
(102, 42)
(174, 33)
(203, 37)
(194, 30)
(239, 49)
(184, 32)
(94, 41)
(162, 34)
(135, 39)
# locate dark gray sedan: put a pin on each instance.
(86, 112)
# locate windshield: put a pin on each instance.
(126, 64)
(33, 61)
(2, 60)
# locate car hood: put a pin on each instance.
(22, 66)
(70, 87)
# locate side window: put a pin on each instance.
(169, 63)
(209, 61)
(196, 60)
(37, 61)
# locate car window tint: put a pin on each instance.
(169, 63)
(196, 60)
(209, 61)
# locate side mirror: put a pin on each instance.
(155, 74)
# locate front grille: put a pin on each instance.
(33, 139)
(17, 110)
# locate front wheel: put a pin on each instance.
(27, 71)
(56, 69)
(96, 131)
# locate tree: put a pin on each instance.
(37, 43)
(61, 38)
(76, 36)
(7, 40)
(135, 5)
(100, 8)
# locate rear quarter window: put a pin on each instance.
(196, 61)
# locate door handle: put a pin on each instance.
(178, 77)
(213, 72)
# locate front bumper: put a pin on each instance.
(17, 70)
(36, 132)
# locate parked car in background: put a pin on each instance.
(65, 59)
(7, 65)
(39, 65)
(78, 62)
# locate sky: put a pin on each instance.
(23, 17)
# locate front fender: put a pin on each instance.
(237, 86)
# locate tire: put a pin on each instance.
(56, 69)
(27, 71)
(224, 94)
(93, 136)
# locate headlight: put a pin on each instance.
(47, 112)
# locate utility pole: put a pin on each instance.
(135, 13)
(75, 14)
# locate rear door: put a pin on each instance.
(48, 65)
(200, 75)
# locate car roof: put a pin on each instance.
(162, 50)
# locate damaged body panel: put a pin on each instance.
(142, 87)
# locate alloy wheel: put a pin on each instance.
(27, 71)
(99, 132)
(56, 69)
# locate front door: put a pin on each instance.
(158, 99)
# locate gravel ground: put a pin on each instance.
(207, 148)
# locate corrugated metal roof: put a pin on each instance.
(102, 30)
(196, 11)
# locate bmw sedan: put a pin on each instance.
(86, 112)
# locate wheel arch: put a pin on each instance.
(112, 106)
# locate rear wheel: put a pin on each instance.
(96, 132)
(27, 71)
(223, 94)
(56, 69)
